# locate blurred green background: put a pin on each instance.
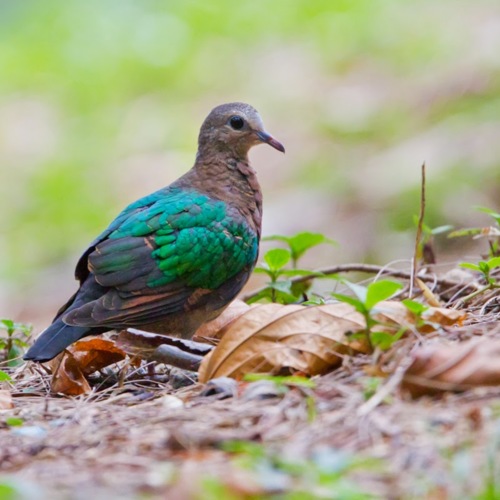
(101, 102)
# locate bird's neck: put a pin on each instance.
(231, 180)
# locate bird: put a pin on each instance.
(176, 258)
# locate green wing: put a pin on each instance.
(156, 258)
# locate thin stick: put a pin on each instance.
(371, 269)
(419, 233)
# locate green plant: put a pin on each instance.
(485, 267)
(283, 381)
(14, 421)
(492, 233)
(15, 340)
(9, 491)
(276, 261)
(425, 249)
(365, 302)
(300, 243)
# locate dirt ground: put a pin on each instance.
(351, 435)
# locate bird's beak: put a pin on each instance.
(269, 139)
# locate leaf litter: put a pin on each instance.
(376, 423)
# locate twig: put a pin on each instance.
(383, 392)
(372, 269)
(418, 236)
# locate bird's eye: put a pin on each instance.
(236, 122)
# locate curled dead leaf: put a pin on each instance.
(80, 359)
(453, 367)
(68, 377)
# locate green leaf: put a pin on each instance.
(262, 270)
(472, 231)
(4, 377)
(358, 305)
(255, 450)
(277, 258)
(494, 263)
(276, 237)
(281, 380)
(359, 290)
(484, 267)
(381, 290)
(262, 295)
(470, 265)
(8, 324)
(301, 242)
(384, 340)
(9, 492)
(415, 307)
(14, 421)
(279, 290)
(490, 212)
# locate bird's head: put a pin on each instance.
(234, 128)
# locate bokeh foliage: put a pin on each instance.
(100, 102)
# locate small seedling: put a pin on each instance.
(300, 243)
(485, 267)
(15, 341)
(276, 261)
(492, 233)
(365, 301)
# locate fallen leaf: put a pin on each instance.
(397, 314)
(94, 354)
(271, 337)
(211, 330)
(6, 400)
(453, 367)
(82, 358)
(68, 377)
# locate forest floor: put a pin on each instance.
(352, 433)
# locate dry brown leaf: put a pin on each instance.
(6, 400)
(396, 313)
(453, 367)
(96, 353)
(82, 358)
(271, 337)
(211, 330)
(68, 378)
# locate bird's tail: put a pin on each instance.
(54, 340)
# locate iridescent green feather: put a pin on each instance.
(198, 242)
